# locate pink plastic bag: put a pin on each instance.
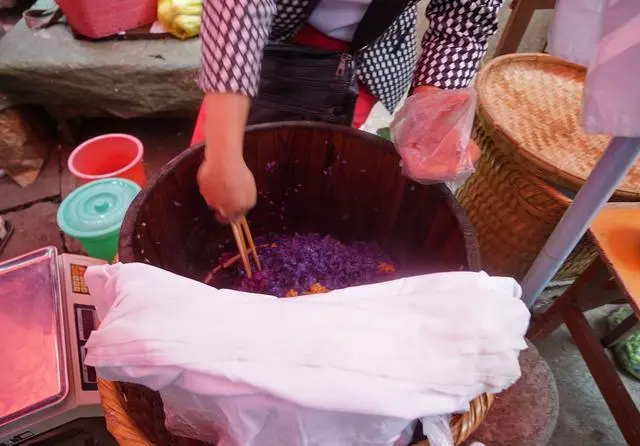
(432, 135)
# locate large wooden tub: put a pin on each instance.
(311, 178)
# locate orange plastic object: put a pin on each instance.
(198, 131)
(616, 231)
(115, 155)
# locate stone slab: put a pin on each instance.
(34, 228)
(124, 78)
(526, 413)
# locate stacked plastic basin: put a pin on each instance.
(111, 173)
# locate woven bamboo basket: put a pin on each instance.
(345, 183)
(528, 126)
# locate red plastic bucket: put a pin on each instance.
(97, 19)
(115, 155)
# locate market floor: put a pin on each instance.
(584, 418)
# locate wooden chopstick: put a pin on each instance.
(237, 234)
(242, 234)
(252, 245)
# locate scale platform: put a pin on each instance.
(46, 316)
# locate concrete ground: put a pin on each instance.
(584, 418)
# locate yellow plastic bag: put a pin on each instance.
(181, 18)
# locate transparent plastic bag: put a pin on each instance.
(575, 30)
(438, 430)
(611, 93)
(432, 135)
(263, 420)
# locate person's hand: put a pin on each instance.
(228, 187)
(225, 181)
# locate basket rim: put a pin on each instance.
(531, 161)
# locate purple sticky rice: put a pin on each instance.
(271, 166)
(298, 262)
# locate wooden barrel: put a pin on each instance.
(311, 177)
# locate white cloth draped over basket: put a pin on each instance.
(354, 366)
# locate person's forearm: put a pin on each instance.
(225, 125)
(233, 35)
(455, 42)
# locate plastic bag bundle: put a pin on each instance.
(180, 17)
(432, 135)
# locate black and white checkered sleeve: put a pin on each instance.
(233, 36)
(455, 42)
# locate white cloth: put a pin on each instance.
(353, 366)
(338, 18)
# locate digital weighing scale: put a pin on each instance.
(46, 316)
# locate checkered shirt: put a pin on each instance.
(234, 33)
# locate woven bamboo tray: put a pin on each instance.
(529, 129)
(532, 105)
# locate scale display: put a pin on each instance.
(86, 322)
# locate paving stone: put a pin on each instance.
(34, 227)
(46, 185)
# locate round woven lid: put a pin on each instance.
(534, 101)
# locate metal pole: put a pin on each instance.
(612, 167)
